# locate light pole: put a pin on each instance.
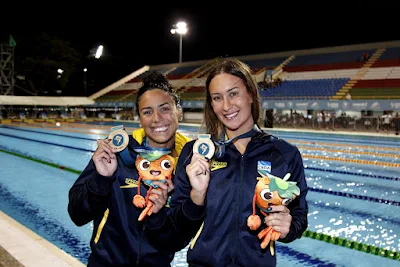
(181, 29)
(60, 71)
(60, 84)
(99, 51)
(84, 79)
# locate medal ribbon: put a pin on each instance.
(145, 151)
(221, 143)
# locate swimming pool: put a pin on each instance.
(354, 195)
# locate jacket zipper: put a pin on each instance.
(238, 209)
(139, 245)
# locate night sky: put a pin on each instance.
(135, 36)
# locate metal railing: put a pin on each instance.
(371, 124)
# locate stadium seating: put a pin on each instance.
(305, 89)
(370, 71)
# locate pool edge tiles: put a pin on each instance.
(29, 248)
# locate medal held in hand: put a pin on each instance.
(119, 138)
(204, 146)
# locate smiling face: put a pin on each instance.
(158, 117)
(157, 170)
(231, 103)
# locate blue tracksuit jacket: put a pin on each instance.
(218, 231)
(118, 238)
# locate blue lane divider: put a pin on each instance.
(284, 250)
(373, 199)
(49, 143)
(336, 193)
(355, 173)
(353, 211)
(56, 134)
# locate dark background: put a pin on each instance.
(136, 36)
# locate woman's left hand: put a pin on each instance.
(279, 219)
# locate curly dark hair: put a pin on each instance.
(156, 80)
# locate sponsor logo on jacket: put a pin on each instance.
(215, 165)
(130, 183)
(264, 167)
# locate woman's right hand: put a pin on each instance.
(198, 172)
(104, 158)
(159, 197)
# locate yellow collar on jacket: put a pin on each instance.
(180, 141)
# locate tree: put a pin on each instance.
(39, 56)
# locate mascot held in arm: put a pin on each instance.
(270, 190)
(151, 170)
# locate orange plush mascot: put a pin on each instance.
(149, 171)
(270, 190)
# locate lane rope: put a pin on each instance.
(310, 234)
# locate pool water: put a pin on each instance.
(337, 169)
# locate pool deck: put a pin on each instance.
(20, 246)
